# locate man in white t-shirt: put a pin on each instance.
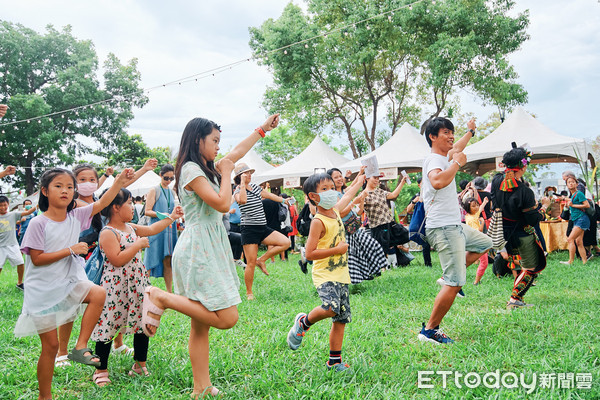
(443, 228)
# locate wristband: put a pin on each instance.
(106, 175)
(457, 163)
(472, 132)
(260, 131)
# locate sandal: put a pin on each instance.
(80, 357)
(149, 307)
(62, 361)
(136, 369)
(101, 378)
(124, 350)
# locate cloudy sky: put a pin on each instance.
(558, 66)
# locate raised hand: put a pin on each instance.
(109, 171)
(125, 177)
(150, 164)
(271, 123)
(177, 212)
(224, 166)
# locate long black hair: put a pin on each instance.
(189, 149)
(46, 180)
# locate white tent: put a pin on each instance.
(105, 185)
(546, 145)
(254, 161)
(407, 148)
(146, 182)
(316, 155)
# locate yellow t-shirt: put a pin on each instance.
(334, 268)
(473, 220)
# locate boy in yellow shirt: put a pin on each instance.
(326, 246)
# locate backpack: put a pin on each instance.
(417, 224)
(304, 220)
(144, 219)
(94, 265)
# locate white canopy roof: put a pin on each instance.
(316, 155)
(146, 182)
(520, 127)
(406, 148)
(254, 161)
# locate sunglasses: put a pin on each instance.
(166, 178)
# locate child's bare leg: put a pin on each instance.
(199, 350)
(168, 273)
(318, 314)
(118, 341)
(64, 334)
(336, 336)
(20, 273)
(221, 319)
(95, 301)
(45, 366)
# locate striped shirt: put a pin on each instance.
(252, 212)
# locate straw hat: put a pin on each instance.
(241, 168)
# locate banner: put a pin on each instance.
(290, 183)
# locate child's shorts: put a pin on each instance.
(335, 296)
(12, 254)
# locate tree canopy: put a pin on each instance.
(45, 73)
(364, 79)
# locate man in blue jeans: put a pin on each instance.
(443, 228)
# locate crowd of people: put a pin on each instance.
(348, 230)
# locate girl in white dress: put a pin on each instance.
(57, 286)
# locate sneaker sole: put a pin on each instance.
(292, 332)
(424, 338)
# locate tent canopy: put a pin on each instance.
(316, 155)
(254, 161)
(407, 148)
(546, 145)
(146, 182)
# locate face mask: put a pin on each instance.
(86, 189)
(28, 207)
(328, 199)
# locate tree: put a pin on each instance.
(133, 151)
(345, 79)
(43, 74)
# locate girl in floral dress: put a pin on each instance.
(204, 276)
(124, 278)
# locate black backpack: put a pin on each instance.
(303, 221)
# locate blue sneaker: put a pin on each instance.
(434, 336)
(339, 367)
(296, 333)
(460, 293)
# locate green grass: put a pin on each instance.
(252, 360)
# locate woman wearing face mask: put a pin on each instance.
(157, 257)
(381, 220)
(365, 256)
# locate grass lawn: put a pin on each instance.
(252, 361)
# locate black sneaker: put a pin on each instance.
(303, 267)
(20, 286)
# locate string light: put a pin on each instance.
(212, 72)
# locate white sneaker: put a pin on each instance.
(303, 254)
(240, 263)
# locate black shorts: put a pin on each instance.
(255, 234)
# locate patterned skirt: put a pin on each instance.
(365, 257)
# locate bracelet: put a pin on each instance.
(457, 163)
(472, 132)
(171, 218)
(106, 175)
(260, 131)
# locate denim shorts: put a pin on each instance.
(451, 242)
(582, 222)
(336, 296)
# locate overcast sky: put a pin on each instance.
(558, 66)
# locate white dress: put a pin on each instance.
(54, 293)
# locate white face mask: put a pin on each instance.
(328, 199)
(86, 189)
